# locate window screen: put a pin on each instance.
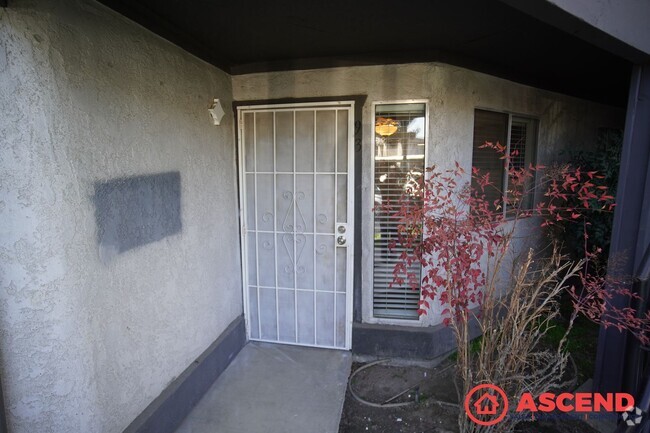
(493, 127)
(399, 160)
(520, 142)
(522, 150)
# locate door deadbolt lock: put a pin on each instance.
(341, 239)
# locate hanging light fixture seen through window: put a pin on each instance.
(385, 126)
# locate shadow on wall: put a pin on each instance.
(134, 211)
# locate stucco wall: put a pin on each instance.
(453, 94)
(87, 342)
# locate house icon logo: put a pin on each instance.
(486, 404)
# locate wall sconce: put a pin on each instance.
(216, 112)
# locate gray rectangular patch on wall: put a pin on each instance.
(134, 211)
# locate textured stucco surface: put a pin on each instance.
(88, 340)
(453, 94)
(87, 96)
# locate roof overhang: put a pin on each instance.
(484, 35)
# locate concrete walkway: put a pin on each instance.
(273, 388)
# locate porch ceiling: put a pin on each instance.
(245, 36)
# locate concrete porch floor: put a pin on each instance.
(274, 388)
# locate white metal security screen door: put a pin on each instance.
(297, 223)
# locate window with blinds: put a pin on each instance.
(400, 138)
(519, 134)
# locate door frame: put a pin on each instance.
(348, 105)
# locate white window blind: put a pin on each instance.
(399, 160)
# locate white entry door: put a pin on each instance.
(296, 184)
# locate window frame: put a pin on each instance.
(420, 320)
(535, 157)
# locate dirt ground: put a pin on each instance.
(379, 383)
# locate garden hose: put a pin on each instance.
(387, 403)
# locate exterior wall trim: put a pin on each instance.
(407, 342)
(170, 408)
(3, 417)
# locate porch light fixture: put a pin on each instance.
(216, 112)
(385, 126)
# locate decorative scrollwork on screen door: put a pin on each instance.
(294, 236)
